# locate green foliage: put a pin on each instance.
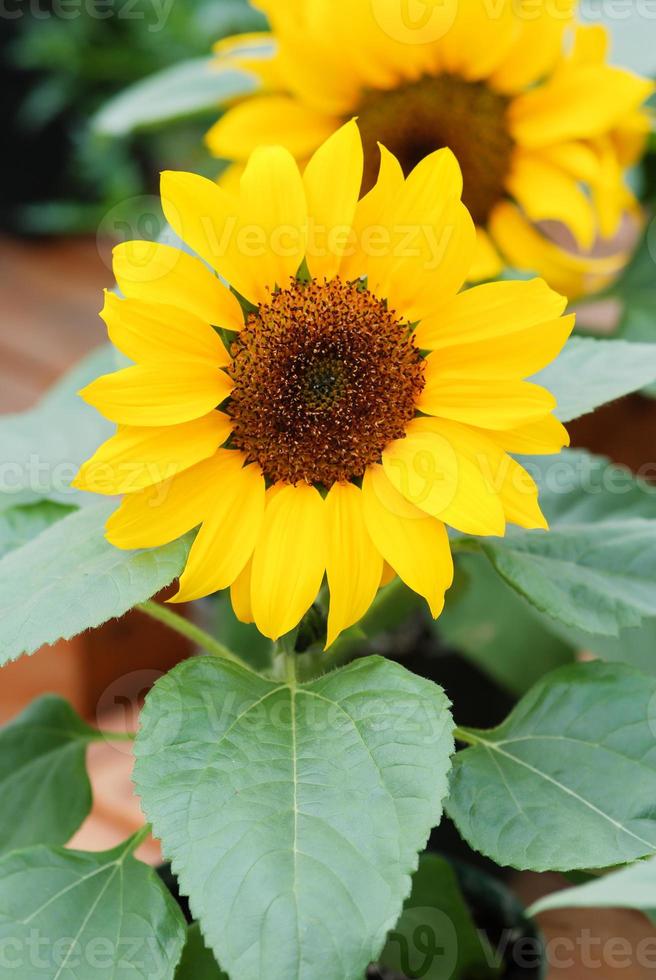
(79, 916)
(633, 888)
(595, 570)
(70, 578)
(569, 779)
(197, 962)
(42, 449)
(44, 789)
(293, 814)
(186, 89)
(493, 626)
(436, 937)
(590, 373)
(77, 61)
(18, 525)
(636, 291)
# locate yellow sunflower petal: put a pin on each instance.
(276, 120)
(383, 44)
(486, 263)
(519, 497)
(576, 158)
(139, 457)
(273, 204)
(367, 223)
(163, 274)
(249, 52)
(487, 404)
(483, 313)
(228, 533)
(209, 220)
(536, 48)
(388, 575)
(545, 192)
(332, 180)
(584, 102)
(544, 437)
(152, 395)
(591, 45)
(240, 594)
(354, 565)
(517, 355)
(526, 248)
(442, 468)
(289, 559)
(151, 332)
(162, 513)
(479, 40)
(431, 240)
(609, 191)
(414, 545)
(313, 66)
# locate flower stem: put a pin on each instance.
(192, 632)
(463, 735)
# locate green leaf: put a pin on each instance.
(590, 373)
(18, 525)
(436, 937)
(596, 581)
(45, 793)
(197, 961)
(293, 814)
(186, 89)
(577, 487)
(636, 290)
(632, 888)
(493, 626)
(70, 915)
(569, 779)
(633, 646)
(70, 578)
(43, 449)
(595, 569)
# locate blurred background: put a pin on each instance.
(79, 175)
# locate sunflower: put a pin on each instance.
(544, 130)
(329, 413)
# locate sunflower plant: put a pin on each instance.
(354, 462)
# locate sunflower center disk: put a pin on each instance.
(433, 112)
(325, 377)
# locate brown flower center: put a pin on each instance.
(420, 117)
(325, 377)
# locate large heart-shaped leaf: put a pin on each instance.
(293, 814)
(569, 779)
(69, 915)
(70, 578)
(44, 788)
